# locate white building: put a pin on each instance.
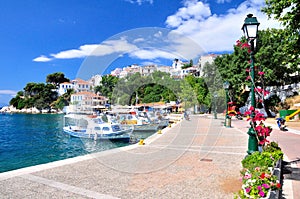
(206, 59)
(147, 70)
(116, 72)
(87, 102)
(166, 69)
(95, 80)
(81, 85)
(63, 87)
(177, 64)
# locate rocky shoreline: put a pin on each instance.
(33, 110)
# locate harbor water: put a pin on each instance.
(28, 139)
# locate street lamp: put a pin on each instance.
(215, 104)
(250, 29)
(226, 87)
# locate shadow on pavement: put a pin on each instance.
(292, 173)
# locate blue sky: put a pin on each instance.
(43, 37)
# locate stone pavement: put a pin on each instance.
(199, 158)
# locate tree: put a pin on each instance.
(271, 58)
(56, 78)
(288, 14)
(107, 85)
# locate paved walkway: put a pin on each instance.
(194, 159)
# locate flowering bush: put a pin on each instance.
(257, 176)
(258, 182)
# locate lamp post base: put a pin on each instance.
(252, 141)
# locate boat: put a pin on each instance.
(94, 127)
(137, 121)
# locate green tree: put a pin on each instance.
(56, 78)
(287, 13)
(107, 85)
(271, 58)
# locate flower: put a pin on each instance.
(261, 193)
(261, 73)
(258, 182)
(266, 186)
(248, 189)
(278, 185)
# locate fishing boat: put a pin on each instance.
(94, 127)
(137, 121)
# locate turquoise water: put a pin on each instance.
(27, 140)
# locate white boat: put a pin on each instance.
(93, 127)
(137, 121)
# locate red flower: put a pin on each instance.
(238, 43)
(266, 92)
(262, 175)
(278, 185)
(245, 45)
(261, 73)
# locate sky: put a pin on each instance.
(82, 38)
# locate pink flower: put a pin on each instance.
(248, 189)
(261, 193)
(247, 78)
(247, 69)
(261, 73)
(259, 188)
(247, 176)
(266, 186)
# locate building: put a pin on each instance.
(63, 87)
(87, 102)
(148, 70)
(95, 80)
(165, 69)
(81, 85)
(205, 59)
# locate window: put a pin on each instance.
(105, 129)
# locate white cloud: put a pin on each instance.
(192, 10)
(8, 92)
(140, 2)
(152, 54)
(223, 1)
(138, 40)
(106, 48)
(42, 58)
(216, 33)
(199, 29)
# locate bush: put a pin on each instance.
(257, 175)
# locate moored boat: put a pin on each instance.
(83, 126)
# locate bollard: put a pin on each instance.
(159, 131)
(141, 142)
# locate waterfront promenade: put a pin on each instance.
(193, 159)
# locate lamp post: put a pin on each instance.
(250, 29)
(226, 87)
(215, 104)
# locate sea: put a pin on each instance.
(33, 139)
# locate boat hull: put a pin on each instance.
(123, 135)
